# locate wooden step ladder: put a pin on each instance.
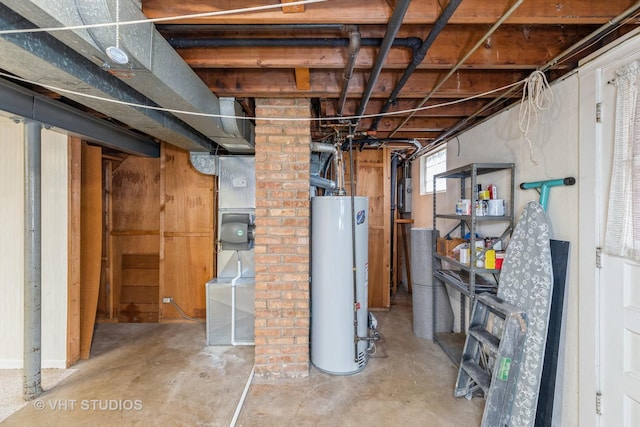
(490, 361)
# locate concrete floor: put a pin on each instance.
(163, 374)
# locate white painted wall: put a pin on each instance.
(54, 246)
(567, 143)
(11, 243)
(555, 150)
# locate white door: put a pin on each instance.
(618, 284)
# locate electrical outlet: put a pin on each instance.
(166, 300)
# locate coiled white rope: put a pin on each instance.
(537, 96)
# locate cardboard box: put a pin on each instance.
(445, 246)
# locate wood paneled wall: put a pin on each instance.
(133, 226)
(372, 180)
(90, 243)
(161, 238)
(188, 205)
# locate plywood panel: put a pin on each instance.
(105, 297)
(187, 228)
(373, 181)
(90, 243)
(188, 194)
(141, 261)
(187, 268)
(155, 203)
(134, 234)
(74, 275)
(378, 271)
(139, 294)
(138, 313)
(136, 194)
(141, 277)
(132, 248)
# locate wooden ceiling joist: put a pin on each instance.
(525, 47)
(326, 83)
(570, 12)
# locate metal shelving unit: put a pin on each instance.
(469, 280)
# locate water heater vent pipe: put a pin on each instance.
(338, 165)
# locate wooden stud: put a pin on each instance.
(90, 243)
(402, 222)
(372, 174)
(74, 279)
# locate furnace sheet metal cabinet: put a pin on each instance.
(219, 311)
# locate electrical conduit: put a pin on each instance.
(455, 68)
(353, 248)
(354, 49)
(418, 57)
(571, 50)
(392, 30)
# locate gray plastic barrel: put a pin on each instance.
(422, 243)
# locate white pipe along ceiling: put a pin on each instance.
(154, 70)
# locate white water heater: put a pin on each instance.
(334, 349)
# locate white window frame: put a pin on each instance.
(428, 169)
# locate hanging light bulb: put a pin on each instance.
(116, 54)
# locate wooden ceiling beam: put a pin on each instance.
(524, 47)
(378, 12)
(416, 124)
(327, 83)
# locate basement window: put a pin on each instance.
(431, 164)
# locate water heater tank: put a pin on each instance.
(333, 349)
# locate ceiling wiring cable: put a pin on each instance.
(528, 119)
(163, 19)
(537, 96)
(284, 119)
(596, 37)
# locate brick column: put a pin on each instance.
(282, 239)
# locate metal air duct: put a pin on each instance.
(154, 70)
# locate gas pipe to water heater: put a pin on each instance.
(353, 248)
(356, 338)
